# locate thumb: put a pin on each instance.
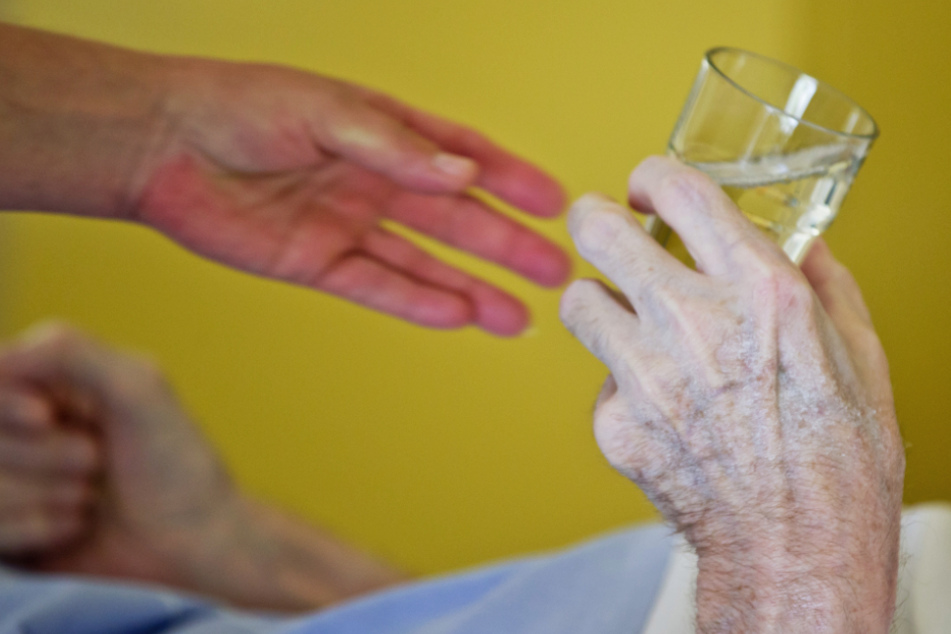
(52, 353)
(90, 376)
(380, 143)
(155, 455)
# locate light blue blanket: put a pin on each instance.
(605, 586)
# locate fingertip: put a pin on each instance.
(444, 311)
(585, 204)
(543, 262)
(526, 187)
(554, 270)
(499, 313)
(651, 168)
(594, 221)
(548, 198)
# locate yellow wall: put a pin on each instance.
(444, 449)
(895, 57)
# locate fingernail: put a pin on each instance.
(452, 165)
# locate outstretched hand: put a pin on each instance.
(275, 171)
(750, 401)
(296, 177)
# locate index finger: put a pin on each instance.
(711, 226)
(502, 173)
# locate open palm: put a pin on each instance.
(294, 176)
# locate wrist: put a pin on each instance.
(770, 583)
(78, 122)
(256, 556)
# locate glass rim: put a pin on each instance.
(871, 136)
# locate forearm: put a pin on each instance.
(77, 121)
(808, 585)
(273, 561)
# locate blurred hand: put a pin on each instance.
(48, 469)
(162, 485)
(750, 401)
(295, 176)
(166, 509)
(274, 171)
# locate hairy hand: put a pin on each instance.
(750, 401)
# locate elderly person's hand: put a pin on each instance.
(166, 509)
(277, 172)
(48, 468)
(750, 401)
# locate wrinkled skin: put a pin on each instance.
(750, 401)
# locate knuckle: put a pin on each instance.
(339, 98)
(597, 232)
(666, 294)
(617, 439)
(56, 335)
(655, 160)
(138, 375)
(573, 309)
(572, 300)
(654, 164)
(687, 185)
(145, 366)
(786, 289)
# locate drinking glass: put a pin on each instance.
(782, 144)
